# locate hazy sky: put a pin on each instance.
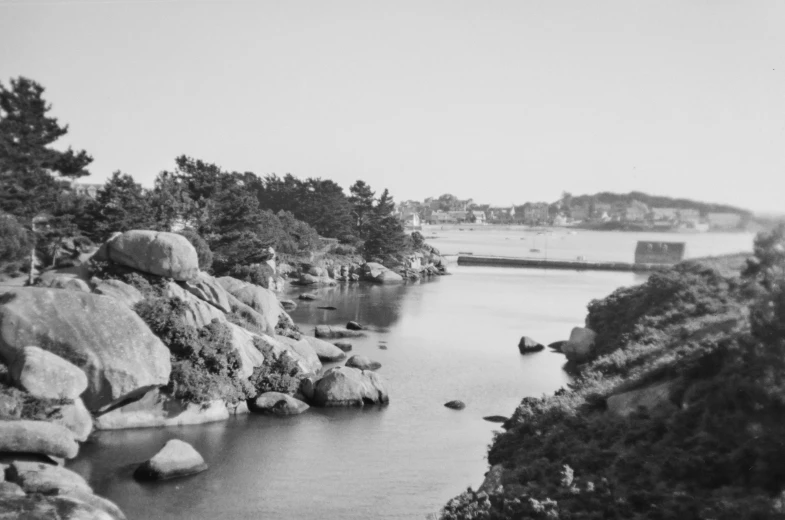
(501, 101)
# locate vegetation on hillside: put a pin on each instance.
(712, 450)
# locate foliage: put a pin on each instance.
(362, 200)
(716, 454)
(31, 172)
(257, 274)
(656, 201)
(418, 241)
(385, 236)
(205, 366)
(278, 373)
(120, 205)
(203, 253)
(16, 243)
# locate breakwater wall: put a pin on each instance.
(577, 265)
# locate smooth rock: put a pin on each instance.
(353, 325)
(243, 344)
(197, 312)
(69, 283)
(176, 459)
(126, 294)
(108, 341)
(308, 297)
(47, 438)
(254, 322)
(325, 351)
(276, 403)
(345, 386)
(77, 419)
(304, 350)
(155, 252)
(527, 345)
(156, 409)
(363, 363)
(377, 273)
(207, 289)
(97, 502)
(288, 305)
(455, 405)
(580, 344)
(37, 477)
(46, 375)
(331, 332)
(262, 300)
(346, 347)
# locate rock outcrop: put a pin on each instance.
(345, 386)
(579, 346)
(46, 375)
(209, 290)
(197, 313)
(325, 351)
(25, 436)
(175, 459)
(276, 403)
(155, 252)
(108, 341)
(261, 300)
(304, 350)
(377, 273)
(120, 291)
(363, 363)
(37, 477)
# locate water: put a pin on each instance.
(452, 338)
(567, 244)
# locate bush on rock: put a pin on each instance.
(278, 373)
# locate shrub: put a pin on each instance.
(203, 252)
(258, 274)
(278, 373)
(16, 243)
(205, 365)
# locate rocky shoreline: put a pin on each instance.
(138, 336)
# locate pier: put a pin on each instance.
(576, 265)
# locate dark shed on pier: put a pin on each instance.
(659, 252)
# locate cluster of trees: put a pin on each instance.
(238, 215)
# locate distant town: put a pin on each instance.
(634, 211)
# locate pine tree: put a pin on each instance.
(385, 231)
(362, 206)
(31, 173)
(120, 205)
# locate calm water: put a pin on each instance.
(452, 338)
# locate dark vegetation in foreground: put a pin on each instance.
(237, 216)
(715, 451)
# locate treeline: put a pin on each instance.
(239, 216)
(652, 201)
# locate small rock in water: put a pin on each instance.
(382, 347)
(327, 308)
(556, 345)
(455, 405)
(346, 347)
(308, 297)
(353, 325)
(288, 305)
(363, 363)
(527, 345)
(496, 418)
(176, 459)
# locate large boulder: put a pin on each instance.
(304, 350)
(41, 437)
(55, 507)
(334, 332)
(579, 346)
(126, 294)
(176, 459)
(276, 403)
(344, 386)
(37, 477)
(207, 289)
(108, 341)
(155, 252)
(76, 418)
(156, 409)
(243, 343)
(46, 375)
(261, 300)
(655, 398)
(326, 351)
(197, 312)
(377, 273)
(363, 363)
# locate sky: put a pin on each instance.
(500, 101)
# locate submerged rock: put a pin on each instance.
(455, 405)
(176, 459)
(528, 345)
(496, 418)
(345, 386)
(363, 363)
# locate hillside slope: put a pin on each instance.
(678, 413)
